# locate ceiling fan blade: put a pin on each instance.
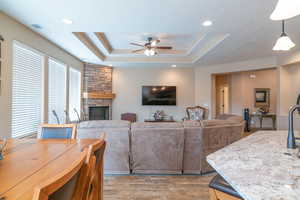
(163, 47)
(135, 51)
(140, 45)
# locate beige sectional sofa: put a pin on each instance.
(163, 148)
(117, 147)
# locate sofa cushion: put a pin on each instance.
(157, 148)
(191, 123)
(148, 125)
(231, 117)
(217, 122)
(104, 124)
(236, 118)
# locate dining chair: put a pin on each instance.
(129, 117)
(57, 131)
(196, 113)
(94, 183)
(65, 185)
(88, 186)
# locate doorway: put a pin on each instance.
(224, 100)
(222, 94)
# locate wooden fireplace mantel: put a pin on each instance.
(98, 95)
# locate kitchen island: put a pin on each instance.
(260, 167)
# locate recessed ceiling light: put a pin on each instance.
(37, 26)
(207, 23)
(174, 65)
(67, 21)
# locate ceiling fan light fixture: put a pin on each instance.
(149, 52)
(284, 43)
(154, 43)
(286, 9)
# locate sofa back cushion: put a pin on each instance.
(231, 117)
(153, 125)
(104, 124)
(217, 134)
(191, 123)
(157, 148)
(217, 122)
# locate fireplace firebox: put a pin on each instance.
(99, 113)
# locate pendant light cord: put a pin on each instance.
(283, 28)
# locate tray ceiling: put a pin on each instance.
(241, 29)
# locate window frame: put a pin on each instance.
(29, 48)
(66, 85)
(80, 90)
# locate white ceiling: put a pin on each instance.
(242, 29)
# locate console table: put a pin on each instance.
(262, 116)
(155, 121)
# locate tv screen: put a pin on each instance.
(159, 95)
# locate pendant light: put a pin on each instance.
(284, 43)
(286, 9)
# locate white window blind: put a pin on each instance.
(57, 91)
(74, 93)
(26, 90)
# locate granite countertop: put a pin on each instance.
(260, 167)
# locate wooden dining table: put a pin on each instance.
(29, 162)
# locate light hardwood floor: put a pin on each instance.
(157, 187)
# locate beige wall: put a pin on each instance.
(242, 92)
(243, 89)
(12, 30)
(204, 83)
(289, 87)
(289, 91)
(128, 82)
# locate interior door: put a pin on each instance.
(224, 100)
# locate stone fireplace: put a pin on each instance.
(97, 92)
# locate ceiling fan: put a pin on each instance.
(150, 47)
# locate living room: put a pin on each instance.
(171, 103)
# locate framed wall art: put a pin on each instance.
(262, 97)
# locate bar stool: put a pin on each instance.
(219, 189)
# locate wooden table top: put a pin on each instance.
(28, 162)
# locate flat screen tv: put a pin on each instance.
(159, 95)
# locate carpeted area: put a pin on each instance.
(156, 187)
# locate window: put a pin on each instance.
(74, 93)
(27, 90)
(57, 91)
